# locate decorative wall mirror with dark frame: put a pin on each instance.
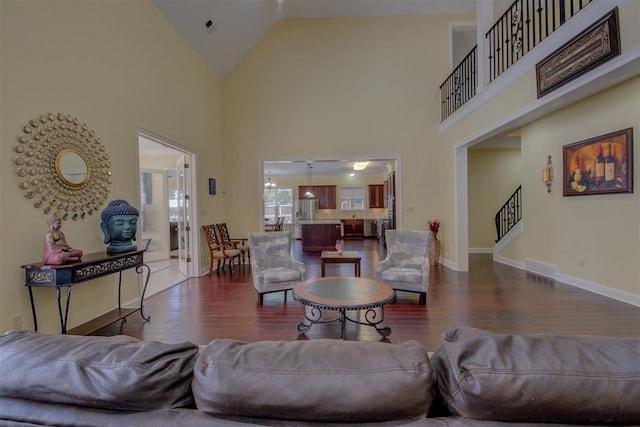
(62, 166)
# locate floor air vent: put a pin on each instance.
(541, 268)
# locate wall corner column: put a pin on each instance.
(484, 21)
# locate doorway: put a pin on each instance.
(167, 220)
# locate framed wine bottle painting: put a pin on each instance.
(599, 165)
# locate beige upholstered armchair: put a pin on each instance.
(406, 267)
(272, 266)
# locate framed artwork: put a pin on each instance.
(599, 165)
(596, 45)
(212, 186)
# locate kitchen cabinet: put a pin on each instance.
(326, 194)
(376, 196)
(353, 227)
(317, 237)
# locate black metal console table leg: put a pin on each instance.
(33, 310)
(140, 270)
(63, 320)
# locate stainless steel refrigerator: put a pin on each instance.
(307, 209)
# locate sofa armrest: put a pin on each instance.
(539, 378)
(385, 264)
(297, 265)
(99, 372)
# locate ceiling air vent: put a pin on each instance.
(209, 25)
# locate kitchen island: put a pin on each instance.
(320, 235)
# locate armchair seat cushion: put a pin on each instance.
(402, 274)
(280, 274)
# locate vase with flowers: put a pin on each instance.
(435, 245)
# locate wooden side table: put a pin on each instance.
(347, 257)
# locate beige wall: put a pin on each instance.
(114, 65)
(546, 222)
(347, 87)
(494, 174)
(321, 87)
(595, 238)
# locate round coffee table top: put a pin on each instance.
(348, 293)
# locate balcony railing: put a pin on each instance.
(520, 28)
(461, 84)
(523, 26)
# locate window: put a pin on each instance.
(278, 202)
(351, 198)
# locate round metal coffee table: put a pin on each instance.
(343, 294)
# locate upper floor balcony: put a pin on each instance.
(522, 27)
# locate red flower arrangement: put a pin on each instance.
(434, 225)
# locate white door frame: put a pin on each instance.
(191, 157)
(163, 253)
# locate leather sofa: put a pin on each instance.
(475, 378)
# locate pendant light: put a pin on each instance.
(269, 185)
(309, 194)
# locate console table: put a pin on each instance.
(90, 267)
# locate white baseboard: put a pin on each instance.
(596, 288)
(447, 263)
(586, 285)
(509, 261)
(480, 250)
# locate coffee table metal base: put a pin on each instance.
(314, 315)
(365, 297)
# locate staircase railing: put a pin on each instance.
(509, 214)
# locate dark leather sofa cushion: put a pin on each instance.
(539, 378)
(319, 380)
(114, 373)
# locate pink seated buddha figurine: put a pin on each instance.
(56, 249)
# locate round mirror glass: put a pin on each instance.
(71, 167)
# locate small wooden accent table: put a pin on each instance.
(90, 267)
(333, 257)
(343, 294)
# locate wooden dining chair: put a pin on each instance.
(218, 251)
(241, 244)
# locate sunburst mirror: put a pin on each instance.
(62, 166)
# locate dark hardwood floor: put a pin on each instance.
(489, 296)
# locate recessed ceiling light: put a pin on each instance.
(358, 166)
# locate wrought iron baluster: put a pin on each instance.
(509, 215)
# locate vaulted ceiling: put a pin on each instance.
(222, 32)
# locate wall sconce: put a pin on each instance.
(547, 174)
